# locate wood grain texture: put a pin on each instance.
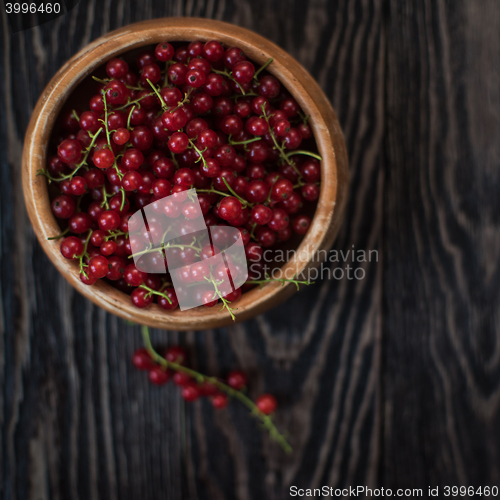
(441, 218)
(387, 381)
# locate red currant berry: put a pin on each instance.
(176, 354)
(71, 247)
(109, 220)
(265, 236)
(177, 73)
(209, 298)
(151, 72)
(268, 87)
(310, 192)
(142, 360)
(87, 279)
(253, 252)
(301, 224)
(69, 151)
(213, 85)
(89, 121)
(261, 214)
(281, 190)
(232, 56)
(234, 295)
(191, 391)
(256, 126)
(257, 191)
(121, 136)
(103, 158)
(237, 380)
(282, 128)
(292, 139)
(279, 221)
(290, 107)
(141, 298)
(175, 119)
(94, 178)
(79, 223)
(158, 375)
(164, 52)
(267, 404)
(178, 142)
(229, 208)
(132, 159)
(164, 168)
(131, 181)
(181, 379)
(243, 72)
(116, 93)
(220, 401)
(108, 247)
(195, 78)
(213, 51)
(116, 68)
(164, 303)
(98, 266)
(78, 185)
(133, 276)
(116, 267)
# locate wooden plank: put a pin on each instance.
(441, 274)
(78, 422)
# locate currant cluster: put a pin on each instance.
(192, 116)
(195, 385)
(191, 389)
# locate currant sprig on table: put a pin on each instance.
(195, 115)
(195, 384)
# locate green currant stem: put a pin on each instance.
(244, 203)
(78, 166)
(253, 231)
(279, 147)
(238, 96)
(262, 68)
(115, 234)
(200, 153)
(163, 103)
(243, 143)
(278, 280)
(105, 122)
(230, 76)
(85, 254)
(130, 116)
(105, 81)
(60, 235)
(303, 152)
(154, 292)
(105, 196)
(123, 198)
(75, 115)
(225, 302)
(266, 420)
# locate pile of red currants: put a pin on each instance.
(192, 116)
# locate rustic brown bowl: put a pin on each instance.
(305, 90)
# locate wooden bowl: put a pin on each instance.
(305, 90)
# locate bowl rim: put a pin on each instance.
(299, 83)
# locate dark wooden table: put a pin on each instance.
(390, 381)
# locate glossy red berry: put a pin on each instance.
(301, 224)
(71, 247)
(69, 151)
(164, 52)
(103, 158)
(142, 360)
(310, 192)
(165, 304)
(229, 208)
(181, 379)
(191, 391)
(220, 400)
(267, 404)
(98, 266)
(237, 380)
(158, 375)
(243, 72)
(141, 298)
